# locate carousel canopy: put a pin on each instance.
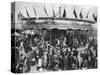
(55, 16)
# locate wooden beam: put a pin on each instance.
(66, 19)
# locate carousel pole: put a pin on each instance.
(50, 44)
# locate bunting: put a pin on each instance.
(27, 13)
(45, 11)
(35, 11)
(54, 14)
(75, 13)
(87, 14)
(64, 13)
(60, 12)
(20, 16)
(95, 18)
(81, 15)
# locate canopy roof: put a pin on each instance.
(55, 16)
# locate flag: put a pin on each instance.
(59, 11)
(87, 14)
(81, 16)
(46, 11)
(20, 16)
(64, 13)
(75, 13)
(27, 13)
(95, 18)
(35, 11)
(54, 14)
(12, 16)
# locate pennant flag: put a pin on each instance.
(27, 13)
(54, 14)
(81, 16)
(59, 11)
(87, 14)
(75, 13)
(35, 11)
(95, 18)
(20, 16)
(64, 13)
(45, 11)
(12, 16)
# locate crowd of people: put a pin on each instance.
(75, 50)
